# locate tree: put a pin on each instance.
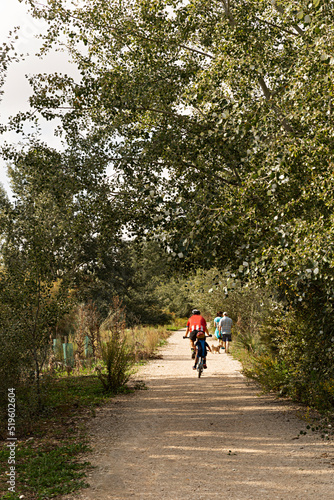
(143, 297)
(7, 56)
(53, 239)
(232, 99)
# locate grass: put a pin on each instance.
(177, 324)
(51, 443)
(273, 376)
(144, 341)
(47, 471)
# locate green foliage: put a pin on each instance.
(177, 323)
(47, 472)
(7, 57)
(271, 373)
(10, 496)
(49, 462)
(143, 284)
(247, 304)
(287, 350)
(175, 297)
(295, 358)
(52, 240)
(217, 122)
(28, 313)
(231, 99)
(148, 271)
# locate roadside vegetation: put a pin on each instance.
(51, 428)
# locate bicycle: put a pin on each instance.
(200, 363)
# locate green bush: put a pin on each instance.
(118, 359)
(298, 358)
(116, 352)
(270, 372)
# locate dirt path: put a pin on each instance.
(187, 438)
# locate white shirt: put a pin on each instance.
(225, 324)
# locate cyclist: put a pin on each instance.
(196, 323)
(201, 349)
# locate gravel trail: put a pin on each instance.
(215, 437)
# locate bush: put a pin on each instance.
(298, 358)
(270, 372)
(118, 359)
(288, 349)
(115, 349)
(248, 306)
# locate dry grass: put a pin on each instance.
(145, 340)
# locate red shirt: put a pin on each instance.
(196, 322)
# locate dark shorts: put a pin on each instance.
(193, 335)
(226, 337)
(199, 351)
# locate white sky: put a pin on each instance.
(17, 89)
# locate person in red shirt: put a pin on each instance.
(196, 323)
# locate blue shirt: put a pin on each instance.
(216, 323)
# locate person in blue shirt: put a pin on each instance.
(216, 324)
(201, 349)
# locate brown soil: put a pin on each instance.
(215, 437)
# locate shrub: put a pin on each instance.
(115, 349)
(118, 359)
(286, 348)
(270, 372)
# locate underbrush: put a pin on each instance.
(289, 358)
(287, 349)
(177, 324)
(51, 438)
(50, 441)
(47, 471)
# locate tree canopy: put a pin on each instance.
(216, 118)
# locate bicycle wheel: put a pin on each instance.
(200, 368)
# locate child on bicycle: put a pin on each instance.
(201, 349)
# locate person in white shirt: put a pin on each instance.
(225, 325)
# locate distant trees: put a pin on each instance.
(62, 244)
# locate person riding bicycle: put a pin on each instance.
(196, 323)
(201, 349)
